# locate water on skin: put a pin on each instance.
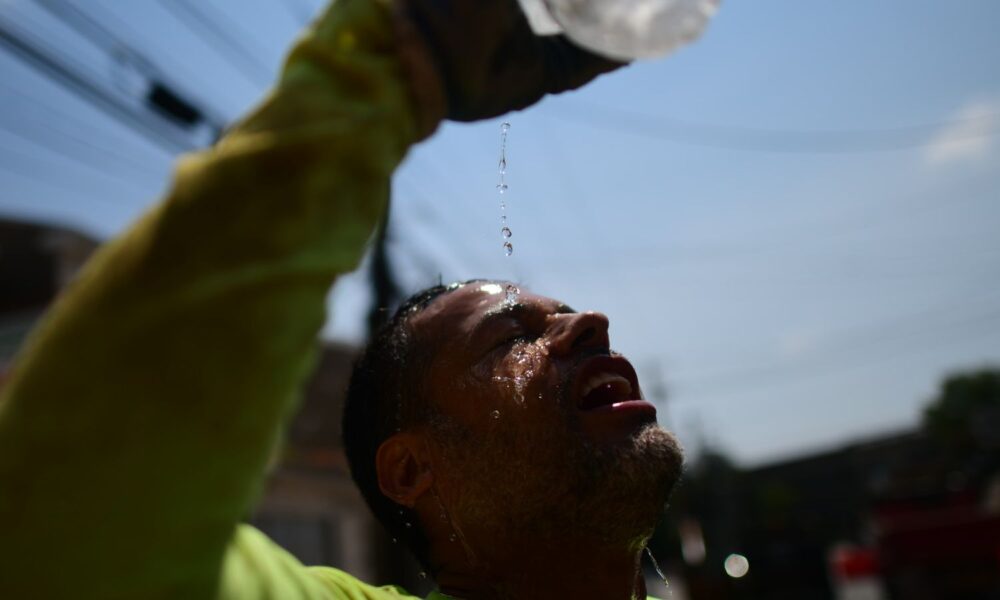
(511, 291)
(517, 377)
(659, 571)
(456, 531)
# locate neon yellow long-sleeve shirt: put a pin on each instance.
(136, 425)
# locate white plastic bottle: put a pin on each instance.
(622, 29)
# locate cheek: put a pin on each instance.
(526, 375)
(523, 380)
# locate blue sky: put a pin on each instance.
(792, 224)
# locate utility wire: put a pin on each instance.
(36, 103)
(430, 206)
(221, 37)
(300, 12)
(792, 237)
(850, 348)
(779, 375)
(84, 159)
(33, 53)
(115, 46)
(40, 130)
(30, 171)
(846, 141)
(432, 265)
(583, 211)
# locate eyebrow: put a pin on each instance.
(509, 311)
(505, 311)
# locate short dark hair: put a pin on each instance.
(386, 394)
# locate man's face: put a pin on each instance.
(543, 429)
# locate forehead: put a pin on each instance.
(456, 313)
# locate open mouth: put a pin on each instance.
(605, 381)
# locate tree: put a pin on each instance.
(965, 415)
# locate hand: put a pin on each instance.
(489, 59)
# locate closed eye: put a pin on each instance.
(519, 339)
(511, 343)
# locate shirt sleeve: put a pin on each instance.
(140, 415)
(257, 569)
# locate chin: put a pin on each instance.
(555, 485)
(621, 492)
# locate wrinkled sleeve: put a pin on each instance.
(257, 569)
(140, 415)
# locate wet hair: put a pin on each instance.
(386, 395)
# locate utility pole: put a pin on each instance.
(659, 392)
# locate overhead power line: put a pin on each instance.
(33, 169)
(299, 11)
(48, 62)
(36, 127)
(841, 141)
(162, 93)
(222, 38)
(85, 159)
(861, 346)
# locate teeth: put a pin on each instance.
(600, 379)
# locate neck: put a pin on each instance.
(570, 568)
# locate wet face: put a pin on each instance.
(542, 429)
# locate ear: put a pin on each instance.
(404, 468)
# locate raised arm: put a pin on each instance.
(138, 420)
(140, 415)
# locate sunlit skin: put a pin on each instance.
(515, 372)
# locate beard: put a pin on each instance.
(539, 484)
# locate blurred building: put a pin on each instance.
(309, 505)
(36, 261)
(900, 516)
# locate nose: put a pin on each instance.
(577, 331)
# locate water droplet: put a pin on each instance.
(508, 248)
(495, 414)
(503, 165)
(505, 127)
(502, 187)
(511, 291)
(659, 571)
(452, 537)
(408, 524)
(395, 541)
(444, 517)
(506, 232)
(422, 575)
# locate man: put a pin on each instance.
(508, 447)
(139, 418)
